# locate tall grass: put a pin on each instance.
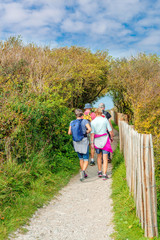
(24, 201)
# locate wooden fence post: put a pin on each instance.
(153, 188)
(139, 160)
(148, 190)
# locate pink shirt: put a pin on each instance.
(93, 115)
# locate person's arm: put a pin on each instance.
(111, 134)
(69, 131)
(88, 128)
(111, 127)
(92, 140)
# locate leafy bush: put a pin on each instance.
(35, 148)
(135, 87)
(69, 72)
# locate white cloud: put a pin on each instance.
(123, 10)
(105, 27)
(98, 28)
(149, 22)
(116, 25)
(13, 13)
(72, 26)
(89, 7)
(31, 18)
(151, 40)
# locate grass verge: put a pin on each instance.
(42, 190)
(127, 226)
(114, 125)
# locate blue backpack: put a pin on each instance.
(76, 129)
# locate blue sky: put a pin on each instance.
(124, 28)
(107, 100)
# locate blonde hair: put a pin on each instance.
(98, 111)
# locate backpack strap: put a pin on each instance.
(85, 134)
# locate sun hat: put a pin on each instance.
(87, 105)
(101, 105)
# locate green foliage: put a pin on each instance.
(114, 125)
(36, 149)
(134, 84)
(17, 213)
(117, 158)
(39, 87)
(37, 156)
(37, 127)
(68, 72)
(135, 87)
(13, 181)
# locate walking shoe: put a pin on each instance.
(104, 177)
(99, 174)
(85, 175)
(109, 159)
(92, 163)
(81, 175)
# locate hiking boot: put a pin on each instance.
(81, 175)
(99, 174)
(104, 177)
(92, 163)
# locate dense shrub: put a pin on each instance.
(33, 128)
(135, 87)
(35, 147)
(39, 87)
(70, 72)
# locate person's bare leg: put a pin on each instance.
(92, 162)
(99, 161)
(105, 163)
(92, 153)
(85, 165)
(81, 164)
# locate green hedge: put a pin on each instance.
(36, 148)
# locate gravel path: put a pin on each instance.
(81, 211)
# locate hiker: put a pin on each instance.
(89, 116)
(101, 142)
(108, 116)
(78, 129)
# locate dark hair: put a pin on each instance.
(79, 113)
(101, 105)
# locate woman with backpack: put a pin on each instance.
(78, 129)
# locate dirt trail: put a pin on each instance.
(81, 211)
